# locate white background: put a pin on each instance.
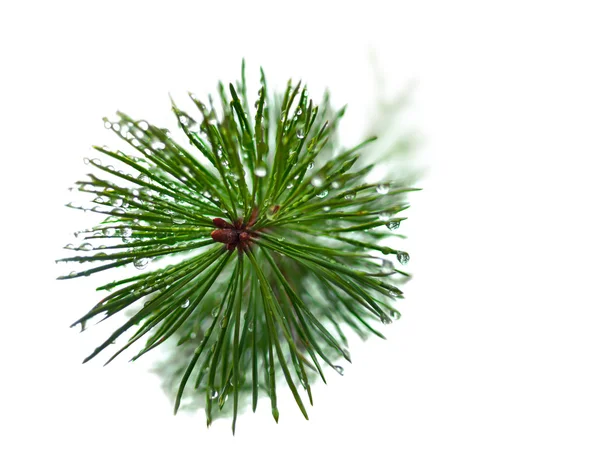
(497, 354)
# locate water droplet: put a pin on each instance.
(260, 171)
(143, 125)
(141, 263)
(157, 145)
(186, 303)
(326, 208)
(387, 265)
(142, 177)
(300, 134)
(349, 196)
(117, 211)
(109, 232)
(116, 127)
(215, 312)
(184, 120)
(335, 184)
(178, 220)
(69, 246)
(117, 201)
(384, 216)
(107, 124)
(299, 112)
(214, 394)
(310, 166)
(96, 161)
(323, 193)
(395, 314)
(86, 160)
(72, 274)
(395, 292)
(386, 320)
(250, 327)
(339, 369)
(394, 224)
(316, 181)
(403, 257)
(383, 188)
(126, 232)
(85, 246)
(290, 186)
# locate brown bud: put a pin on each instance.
(220, 223)
(226, 236)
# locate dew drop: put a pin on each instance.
(109, 232)
(339, 369)
(86, 160)
(300, 134)
(387, 265)
(85, 246)
(350, 196)
(96, 161)
(383, 188)
(335, 184)
(394, 224)
(326, 208)
(69, 246)
(260, 171)
(395, 314)
(395, 292)
(323, 193)
(186, 303)
(178, 220)
(141, 263)
(126, 232)
(107, 124)
(310, 166)
(143, 125)
(317, 181)
(157, 145)
(184, 120)
(215, 312)
(214, 394)
(117, 211)
(403, 257)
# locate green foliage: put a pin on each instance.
(265, 292)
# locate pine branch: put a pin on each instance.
(278, 237)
